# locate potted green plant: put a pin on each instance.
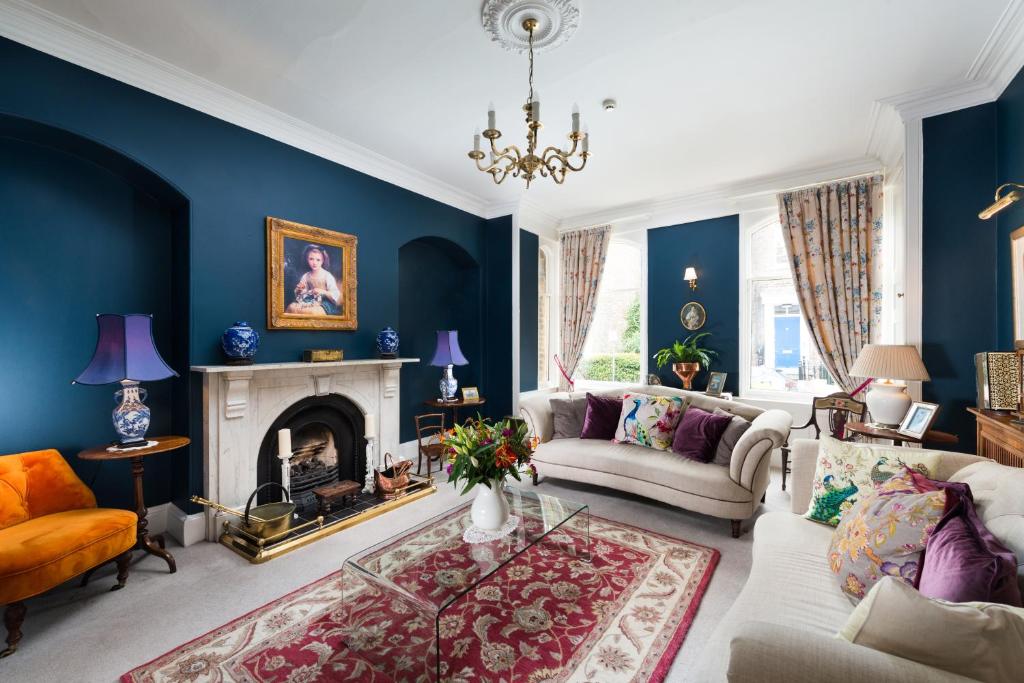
(687, 357)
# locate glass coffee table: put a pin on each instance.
(396, 594)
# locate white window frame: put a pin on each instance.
(551, 255)
(749, 224)
(641, 246)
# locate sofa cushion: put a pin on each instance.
(983, 641)
(38, 483)
(883, 535)
(846, 470)
(43, 552)
(644, 464)
(568, 414)
(698, 434)
(602, 417)
(999, 499)
(736, 428)
(648, 420)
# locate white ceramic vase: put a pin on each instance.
(490, 507)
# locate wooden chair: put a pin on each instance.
(429, 428)
(840, 408)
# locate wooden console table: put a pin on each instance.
(998, 437)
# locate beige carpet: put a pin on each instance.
(89, 634)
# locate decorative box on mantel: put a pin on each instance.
(241, 405)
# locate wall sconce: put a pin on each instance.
(1001, 202)
(691, 276)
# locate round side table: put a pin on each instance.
(154, 545)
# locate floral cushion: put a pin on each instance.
(846, 471)
(649, 420)
(883, 534)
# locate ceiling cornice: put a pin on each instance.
(1002, 55)
(47, 32)
(723, 199)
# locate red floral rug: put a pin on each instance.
(545, 616)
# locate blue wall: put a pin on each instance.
(713, 248)
(233, 179)
(959, 312)
(497, 384)
(1010, 152)
(529, 245)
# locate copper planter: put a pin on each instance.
(686, 372)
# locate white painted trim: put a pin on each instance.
(1002, 54)
(184, 528)
(156, 518)
(550, 247)
(913, 257)
(644, 352)
(724, 200)
(516, 313)
(43, 30)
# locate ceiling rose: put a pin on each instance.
(556, 21)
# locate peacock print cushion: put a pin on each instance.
(845, 471)
(649, 420)
(883, 534)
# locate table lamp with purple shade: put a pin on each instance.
(446, 355)
(125, 353)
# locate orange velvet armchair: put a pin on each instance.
(51, 531)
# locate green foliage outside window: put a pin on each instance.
(611, 367)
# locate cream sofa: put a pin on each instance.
(783, 624)
(731, 493)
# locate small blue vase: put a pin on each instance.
(387, 343)
(240, 343)
(131, 416)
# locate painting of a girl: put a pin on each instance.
(311, 277)
(317, 291)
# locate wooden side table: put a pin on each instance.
(931, 436)
(454, 406)
(154, 545)
(1000, 436)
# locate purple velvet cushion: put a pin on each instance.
(964, 562)
(698, 434)
(602, 417)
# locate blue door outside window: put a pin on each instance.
(787, 341)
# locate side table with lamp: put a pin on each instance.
(126, 353)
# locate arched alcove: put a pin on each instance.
(439, 289)
(87, 230)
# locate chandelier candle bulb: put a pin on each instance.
(284, 443)
(476, 140)
(491, 125)
(575, 118)
(586, 140)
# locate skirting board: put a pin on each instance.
(184, 528)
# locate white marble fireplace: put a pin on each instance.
(241, 402)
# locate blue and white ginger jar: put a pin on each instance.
(387, 342)
(240, 343)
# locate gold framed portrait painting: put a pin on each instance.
(311, 277)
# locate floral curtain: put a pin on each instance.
(583, 253)
(833, 234)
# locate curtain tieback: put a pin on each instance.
(561, 369)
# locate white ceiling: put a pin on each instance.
(710, 92)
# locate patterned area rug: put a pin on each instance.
(546, 616)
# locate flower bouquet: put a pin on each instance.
(482, 452)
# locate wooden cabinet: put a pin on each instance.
(999, 438)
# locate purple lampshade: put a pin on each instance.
(125, 350)
(448, 351)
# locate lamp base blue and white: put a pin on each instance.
(448, 385)
(131, 416)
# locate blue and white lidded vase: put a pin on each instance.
(387, 343)
(240, 343)
(131, 416)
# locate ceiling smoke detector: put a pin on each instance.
(609, 104)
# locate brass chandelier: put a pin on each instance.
(553, 161)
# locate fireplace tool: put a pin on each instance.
(265, 521)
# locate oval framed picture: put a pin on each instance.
(693, 316)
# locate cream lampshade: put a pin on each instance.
(889, 402)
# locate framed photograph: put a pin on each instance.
(918, 419)
(693, 316)
(470, 394)
(1017, 273)
(311, 277)
(716, 382)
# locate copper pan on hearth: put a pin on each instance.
(263, 521)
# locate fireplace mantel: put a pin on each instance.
(241, 402)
